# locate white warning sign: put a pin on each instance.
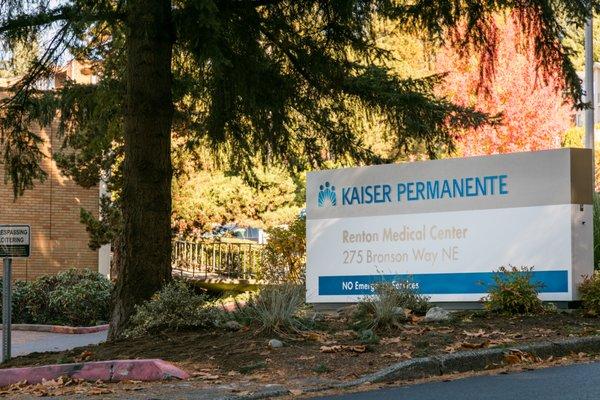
(15, 241)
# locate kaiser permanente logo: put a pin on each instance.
(489, 185)
(327, 196)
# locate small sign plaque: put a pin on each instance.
(15, 241)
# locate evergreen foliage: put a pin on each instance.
(268, 78)
(205, 198)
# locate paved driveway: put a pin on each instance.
(25, 342)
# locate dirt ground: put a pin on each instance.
(329, 352)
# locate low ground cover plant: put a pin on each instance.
(275, 308)
(74, 297)
(390, 305)
(514, 292)
(590, 293)
(177, 306)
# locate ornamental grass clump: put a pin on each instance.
(514, 292)
(390, 305)
(275, 308)
(176, 307)
(590, 293)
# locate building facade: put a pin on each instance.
(52, 209)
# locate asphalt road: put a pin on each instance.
(579, 381)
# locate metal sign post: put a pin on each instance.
(6, 309)
(15, 242)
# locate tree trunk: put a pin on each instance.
(117, 256)
(146, 259)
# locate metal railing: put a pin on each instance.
(216, 259)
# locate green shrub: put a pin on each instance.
(274, 308)
(389, 305)
(590, 293)
(20, 294)
(284, 255)
(514, 293)
(86, 302)
(175, 307)
(72, 297)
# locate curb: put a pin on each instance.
(463, 361)
(78, 330)
(109, 371)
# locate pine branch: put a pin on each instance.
(65, 13)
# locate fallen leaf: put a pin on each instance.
(345, 334)
(516, 356)
(516, 335)
(316, 336)
(415, 318)
(468, 345)
(495, 342)
(205, 375)
(358, 348)
(416, 331)
(97, 391)
(453, 347)
(512, 359)
(330, 349)
(479, 333)
(84, 356)
(390, 340)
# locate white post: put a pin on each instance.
(104, 253)
(589, 88)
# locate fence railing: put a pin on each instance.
(213, 259)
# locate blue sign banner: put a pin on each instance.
(445, 283)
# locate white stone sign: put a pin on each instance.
(444, 226)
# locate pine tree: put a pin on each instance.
(273, 79)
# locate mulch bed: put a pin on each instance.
(331, 351)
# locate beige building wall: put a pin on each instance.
(59, 240)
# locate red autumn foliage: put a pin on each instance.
(534, 114)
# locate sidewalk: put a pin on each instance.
(25, 342)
